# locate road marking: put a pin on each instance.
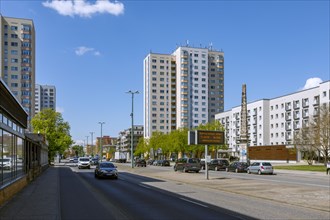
(196, 203)
(145, 186)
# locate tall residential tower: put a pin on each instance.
(45, 97)
(17, 59)
(182, 89)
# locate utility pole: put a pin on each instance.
(87, 144)
(92, 141)
(132, 130)
(101, 146)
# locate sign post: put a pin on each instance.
(207, 138)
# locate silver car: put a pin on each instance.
(260, 168)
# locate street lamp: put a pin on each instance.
(87, 143)
(101, 146)
(132, 116)
(92, 140)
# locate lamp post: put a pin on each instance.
(132, 132)
(101, 146)
(87, 143)
(92, 141)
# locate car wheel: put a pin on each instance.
(89, 167)
(259, 172)
(236, 170)
(248, 171)
(197, 171)
(95, 175)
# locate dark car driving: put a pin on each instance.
(237, 167)
(106, 170)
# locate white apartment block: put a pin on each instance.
(17, 60)
(45, 97)
(274, 121)
(182, 89)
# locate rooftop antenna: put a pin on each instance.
(210, 46)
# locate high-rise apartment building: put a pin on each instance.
(17, 59)
(275, 121)
(45, 97)
(182, 89)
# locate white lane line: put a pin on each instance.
(196, 203)
(145, 186)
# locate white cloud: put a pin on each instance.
(82, 50)
(59, 109)
(312, 82)
(83, 8)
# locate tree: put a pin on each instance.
(78, 150)
(56, 130)
(315, 135)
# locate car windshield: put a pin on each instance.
(266, 164)
(84, 159)
(107, 165)
(194, 160)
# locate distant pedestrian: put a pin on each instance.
(328, 167)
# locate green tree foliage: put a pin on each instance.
(56, 130)
(142, 147)
(78, 150)
(177, 142)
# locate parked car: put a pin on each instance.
(155, 162)
(261, 168)
(84, 162)
(150, 161)
(218, 164)
(237, 167)
(164, 163)
(5, 163)
(188, 164)
(106, 170)
(140, 163)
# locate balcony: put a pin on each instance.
(288, 106)
(288, 117)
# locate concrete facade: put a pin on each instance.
(45, 97)
(182, 89)
(17, 60)
(274, 121)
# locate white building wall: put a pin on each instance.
(274, 121)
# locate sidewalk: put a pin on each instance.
(38, 200)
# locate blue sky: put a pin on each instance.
(93, 51)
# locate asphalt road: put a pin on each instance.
(84, 197)
(286, 195)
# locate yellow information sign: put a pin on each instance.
(210, 137)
